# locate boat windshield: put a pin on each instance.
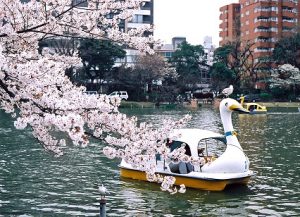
(211, 147)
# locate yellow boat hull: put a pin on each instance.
(191, 182)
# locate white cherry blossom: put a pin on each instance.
(36, 92)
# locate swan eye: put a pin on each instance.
(226, 104)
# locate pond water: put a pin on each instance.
(34, 183)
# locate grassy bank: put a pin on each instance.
(132, 104)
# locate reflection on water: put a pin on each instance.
(34, 183)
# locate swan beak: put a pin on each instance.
(239, 108)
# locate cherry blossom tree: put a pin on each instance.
(286, 75)
(36, 92)
(285, 78)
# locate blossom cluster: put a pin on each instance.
(36, 92)
(285, 76)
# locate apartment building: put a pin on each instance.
(259, 24)
(142, 17)
(262, 22)
(167, 50)
(230, 23)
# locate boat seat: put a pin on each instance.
(181, 167)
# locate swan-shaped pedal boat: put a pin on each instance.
(252, 107)
(224, 161)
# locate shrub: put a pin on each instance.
(265, 96)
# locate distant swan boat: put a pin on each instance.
(252, 107)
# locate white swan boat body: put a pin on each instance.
(218, 170)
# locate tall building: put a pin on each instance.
(264, 22)
(207, 42)
(230, 23)
(260, 23)
(142, 17)
(209, 49)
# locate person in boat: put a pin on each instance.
(168, 142)
(201, 152)
(252, 108)
(181, 167)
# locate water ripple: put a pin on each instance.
(34, 183)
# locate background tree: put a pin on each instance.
(287, 50)
(123, 79)
(221, 76)
(239, 59)
(146, 78)
(190, 64)
(98, 58)
(150, 71)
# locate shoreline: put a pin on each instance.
(134, 104)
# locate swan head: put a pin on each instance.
(230, 105)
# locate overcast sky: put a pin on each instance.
(193, 19)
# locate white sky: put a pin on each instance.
(193, 19)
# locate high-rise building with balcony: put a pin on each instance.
(230, 23)
(262, 22)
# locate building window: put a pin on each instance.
(289, 19)
(266, 29)
(289, 9)
(168, 54)
(287, 29)
(265, 39)
(262, 8)
(137, 18)
(263, 49)
(265, 19)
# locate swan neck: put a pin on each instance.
(228, 129)
(227, 121)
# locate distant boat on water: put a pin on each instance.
(252, 107)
